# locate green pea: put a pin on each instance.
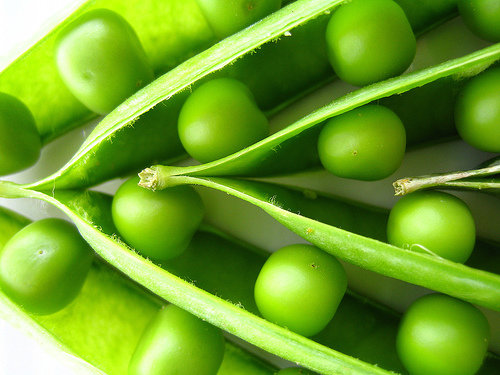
(482, 17)
(477, 111)
(19, 139)
(226, 17)
(44, 265)
(176, 342)
(367, 143)
(101, 60)
(442, 335)
(435, 222)
(220, 118)
(300, 287)
(369, 41)
(160, 224)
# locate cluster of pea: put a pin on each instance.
(140, 215)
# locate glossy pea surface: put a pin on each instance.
(176, 342)
(442, 335)
(219, 118)
(369, 40)
(435, 222)
(158, 224)
(482, 17)
(300, 287)
(367, 143)
(477, 111)
(44, 265)
(19, 139)
(101, 60)
(226, 17)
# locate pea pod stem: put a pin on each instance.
(476, 286)
(454, 180)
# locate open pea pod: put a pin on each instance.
(359, 328)
(83, 209)
(278, 60)
(98, 332)
(476, 286)
(170, 31)
(278, 152)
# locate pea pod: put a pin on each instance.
(81, 209)
(233, 278)
(263, 158)
(78, 173)
(109, 307)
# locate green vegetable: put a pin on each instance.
(367, 143)
(229, 16)
(157, 225)
(43, 266)
(433, 222)
(101, 60)
(176, 342)
(19, 139)
(300, 288)
(369, 41)
(482, 17)
(219, 118)
(477, 111)
(442, 335)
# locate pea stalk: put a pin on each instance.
(475, 179)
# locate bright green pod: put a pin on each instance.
(19, 139)
(369, 41)
(433, 222)
(442, 335)
(300, 287)
(367, 143)
(44, 265)
(159, 225)
(477, 111)
(482, 17)
(219, 118)
(101, 60)
(226, 17)
(176, 342)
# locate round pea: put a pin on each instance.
(432, 221)
(482, 17)
(369, 41)
(220, 118)
(442, 335)
(226, 17)
(176, 342)
(158, 224)
(367, 143)
(44, 265)
(477, 111)
(101, 60)
(300, 287)
(20, 142)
